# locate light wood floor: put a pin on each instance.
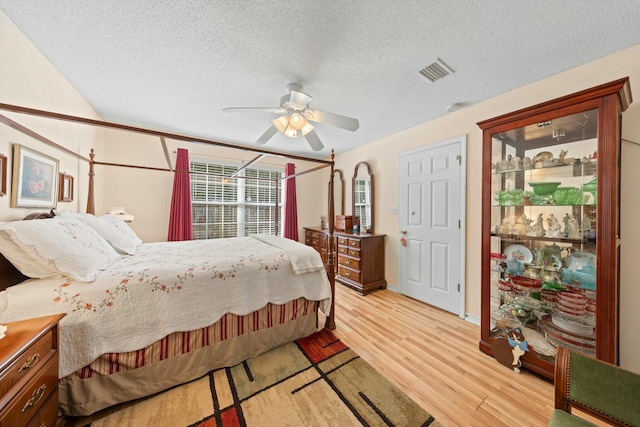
(433, 356)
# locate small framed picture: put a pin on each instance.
(65, 193)
(3, 175)
(35, 179)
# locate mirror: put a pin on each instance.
(338, 192)
(362, 195)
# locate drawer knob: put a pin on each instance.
(347, 261)
(30, 363)
(347, 273)
(35, 397)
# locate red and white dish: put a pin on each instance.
(572, 297)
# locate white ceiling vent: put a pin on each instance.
(436, 71)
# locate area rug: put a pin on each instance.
(315, 381)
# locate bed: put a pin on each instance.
(111, 349)
(143, 317)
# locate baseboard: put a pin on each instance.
(472, 318)
(393, 288)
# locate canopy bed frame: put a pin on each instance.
(10, 276)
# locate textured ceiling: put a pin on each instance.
(175, 64)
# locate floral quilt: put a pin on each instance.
(164, 288)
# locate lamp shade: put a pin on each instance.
(281, 123)
(293, 125)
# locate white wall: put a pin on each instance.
(28, 79)
(383, 157)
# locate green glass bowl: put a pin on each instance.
(567, 196)
(544, 188)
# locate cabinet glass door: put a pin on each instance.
(543, 233)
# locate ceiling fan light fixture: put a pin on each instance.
(306, 128)
(296, 121)
(290, 132)
(281, 123)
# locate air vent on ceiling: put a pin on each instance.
(436, 71)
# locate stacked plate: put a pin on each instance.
(573, 335)
(571, 304)
(525, 285)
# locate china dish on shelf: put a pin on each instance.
(519, 252)
(571, 325)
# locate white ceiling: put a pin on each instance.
(173, 65)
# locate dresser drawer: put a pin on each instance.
(349, 262)
(311, 241)
(48, 414)
(343, 250)
(350, 274)
(353, 252)
(343, 240)
(28, 363)
(32, 397)
(354, 243)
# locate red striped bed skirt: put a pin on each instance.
(175, 344)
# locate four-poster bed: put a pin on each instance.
(93, 377)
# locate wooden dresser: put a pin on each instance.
(360, 261)
(318, 239)
(29, 373)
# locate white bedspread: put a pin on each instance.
(165, 288)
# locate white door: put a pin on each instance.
(431, 213)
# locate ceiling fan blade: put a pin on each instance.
(332, 119)
(258, 109)
(300, 99)
(267, 135)
(314, 141)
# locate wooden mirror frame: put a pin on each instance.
(341, 198)
(353, 194)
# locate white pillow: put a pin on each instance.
(25, 263)
(67, 245)
(115, 231)
(70, 214)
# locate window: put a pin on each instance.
(233, 207)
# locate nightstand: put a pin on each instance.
(29, 373)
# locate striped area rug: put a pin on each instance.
(315, 381)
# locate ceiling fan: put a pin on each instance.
(295, 118)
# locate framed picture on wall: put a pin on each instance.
(35, 179)
(65, 192)
(3, 175)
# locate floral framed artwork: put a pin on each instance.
(35, 179)
(3, 175)
(65, 191)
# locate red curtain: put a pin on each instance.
(290, 217)
(180, 214)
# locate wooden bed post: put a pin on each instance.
(91, 206)
(330, 321)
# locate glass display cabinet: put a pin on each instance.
(550, 227)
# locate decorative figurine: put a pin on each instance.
(507, 350)
(574, 232)
(566, 224)
(563, 154)
(554, 226)
(523, 225)
(537, 229)
(526, 163)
